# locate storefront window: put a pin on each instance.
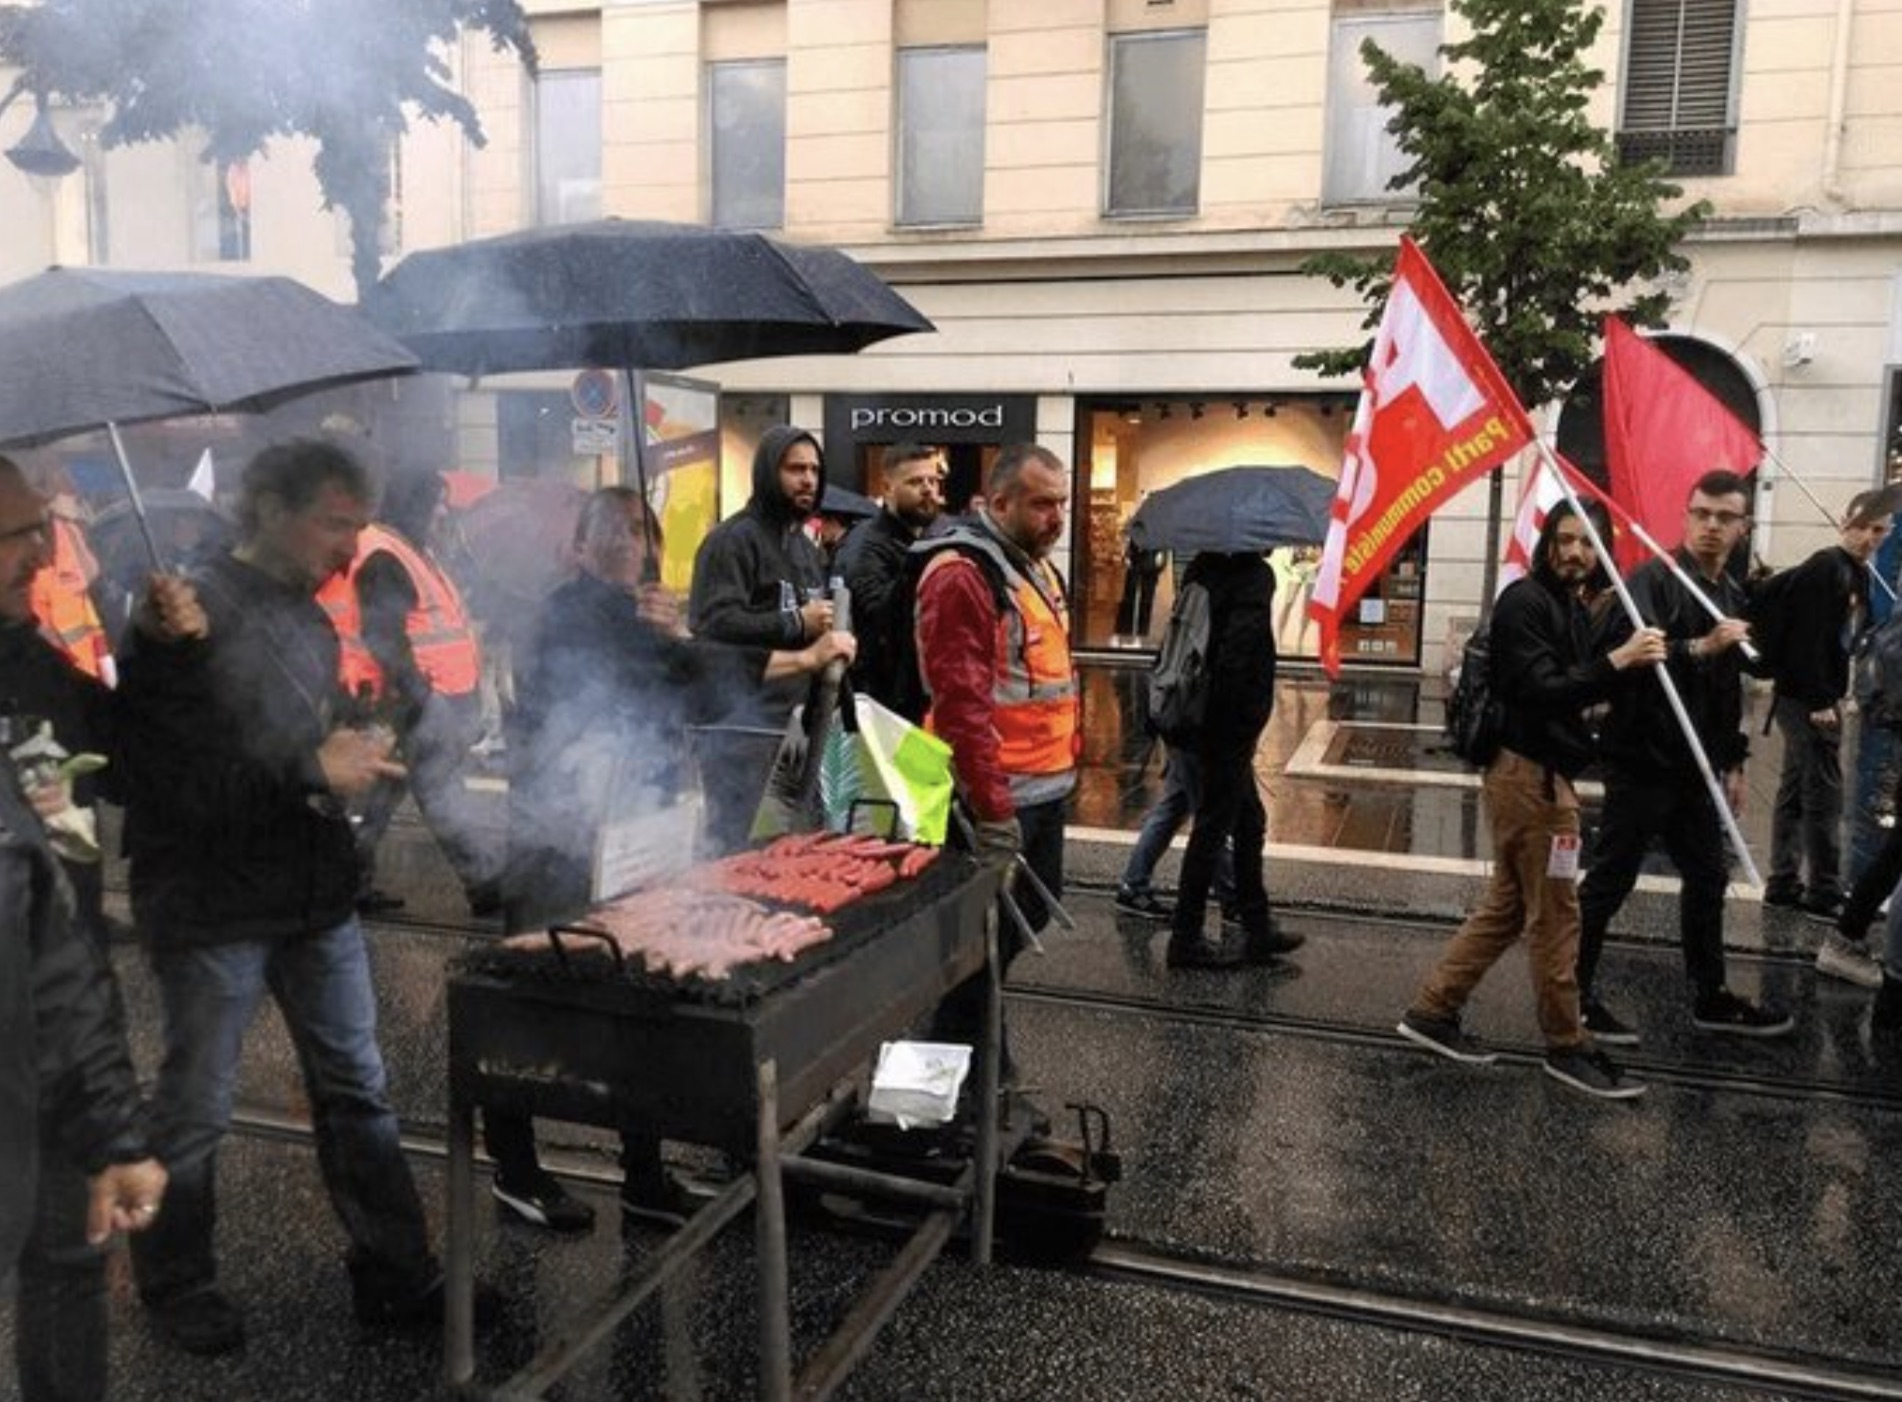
(1128, 448)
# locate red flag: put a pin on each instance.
(1663, 431)
(1434, 414)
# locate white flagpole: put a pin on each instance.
(1663, 672)
(1784, 470)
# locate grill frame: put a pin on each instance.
(747, 1078)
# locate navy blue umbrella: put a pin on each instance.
(1236, 510)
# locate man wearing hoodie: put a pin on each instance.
(759, 581)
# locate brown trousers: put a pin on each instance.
(1528, 807)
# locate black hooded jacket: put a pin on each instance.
(1241, 657)
(754, 571)
(1543, 670)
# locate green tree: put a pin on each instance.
(1524, 207)
(348, 73)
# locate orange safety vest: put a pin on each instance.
(64, 607)
(440, 635)
(1034, 695)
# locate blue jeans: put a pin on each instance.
(321, 984)
(1181, 794)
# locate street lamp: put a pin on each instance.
(40, 152)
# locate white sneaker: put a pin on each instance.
(1837, 957)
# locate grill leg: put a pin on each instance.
(775, 1325)
(988, 1067)
(459, 1246)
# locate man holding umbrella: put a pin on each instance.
(244, 880)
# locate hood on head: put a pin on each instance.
(766, 493)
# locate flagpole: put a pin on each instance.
(1784, 469)
(1650, 542)
(1663, 672)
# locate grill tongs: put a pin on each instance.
(587, 934)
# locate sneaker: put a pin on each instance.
(1827, 909)
(1788, 896)
(661, 1201)
(1143, 904)
(202, 1322)
(1593, 1072)
(1837, 957)
(1271, 944)
(1724, 1011)
(1606, 1026)
(1443, 1035)
(544, 1203)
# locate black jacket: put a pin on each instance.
(65, 1071)
(1241, 658)
(1640, 734)
(877, 564)
(602, 702)
(38, 681)
(1544, 673)
(754, 571)
(1802, 617)
(232, 831)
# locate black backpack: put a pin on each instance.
(1179, 681)
(1475, 720)
(1879, 673)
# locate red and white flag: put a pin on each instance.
(1663, 431)
(1541, 493)
(1434, 415)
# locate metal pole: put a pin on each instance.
(1665, 680)
(634, 447)
(138, 502)
(989, 1069)
(459, 1245)
(775, 1324)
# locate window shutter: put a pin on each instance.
(1677, 85)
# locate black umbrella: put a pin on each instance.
(632, 294)
(1235, 510)
(88, 348)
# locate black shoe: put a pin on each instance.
(656, 1200)
(379, 903)
(1827, 909)
(1231, 917)
(1886, 1014)
(1443, 1035)
(1200, 952)
(1271, 944)
(544, 1202)
(1591, 1072)
(1606, 1026)
(1144, 904)
(203, 1322)
(1788, 896)
(421, 1310)
(1724, 1011)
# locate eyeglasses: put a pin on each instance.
(1704, 516)
(43, 528)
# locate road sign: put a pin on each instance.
(595, 437)
(596, 394)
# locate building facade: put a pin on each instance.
(1103, 205)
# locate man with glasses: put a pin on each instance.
(1653, 787)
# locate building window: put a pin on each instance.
(1155, 122)
(746, 112)
(1362, 155)
(568, 145)
(1680, 86)
(941, 136)
(221, 211)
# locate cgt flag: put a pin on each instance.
(1434, 415)
(1663, 431)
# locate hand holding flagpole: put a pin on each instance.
(1665, 680)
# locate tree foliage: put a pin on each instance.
(1524, 207)
(349, 73)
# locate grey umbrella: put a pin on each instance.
(1235, 510)
(88, 348)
